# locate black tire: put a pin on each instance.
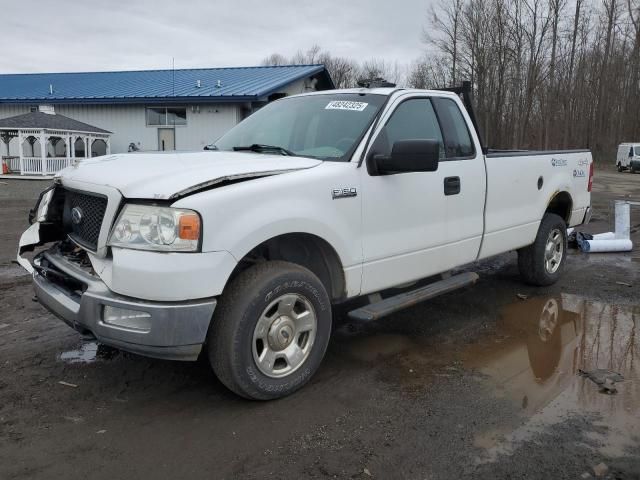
(532, 260)
(231, 336)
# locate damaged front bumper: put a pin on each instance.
(169, 330)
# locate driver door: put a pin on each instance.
(423, 223)
(404, 215)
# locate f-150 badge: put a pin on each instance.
(344, 192)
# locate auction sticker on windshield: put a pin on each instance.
(346, 105)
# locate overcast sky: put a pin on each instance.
(94, 35)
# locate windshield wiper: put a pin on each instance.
(258, 147)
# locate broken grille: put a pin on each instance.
(84, 213)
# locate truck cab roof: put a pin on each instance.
(385, 91)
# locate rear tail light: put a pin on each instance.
(590, 177)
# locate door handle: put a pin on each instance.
(452, 185)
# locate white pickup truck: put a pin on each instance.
(240, 252)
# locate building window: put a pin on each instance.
(166, 116)
(33, 109)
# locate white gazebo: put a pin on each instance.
(49, 142)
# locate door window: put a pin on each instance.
(414, 119)
(457, 139)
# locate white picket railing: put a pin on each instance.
(54, 165)
(33, 165)
(13, 163)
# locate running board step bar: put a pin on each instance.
(404, 300)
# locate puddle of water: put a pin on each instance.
(532, 358)
(88, 353)
(547, 341)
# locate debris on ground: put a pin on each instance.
(100, 432)
(3, 325)
(367, 472)
(606, 246)
(74, 419)
(605, 379)
(522, 296)
(624, 284)
(616, 241)
(600, 470)
(573, 236)
(67, 384)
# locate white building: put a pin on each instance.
(158, 109)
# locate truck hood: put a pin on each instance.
(170, 175)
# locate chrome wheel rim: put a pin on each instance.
(553, 251)
(548, 319)
(284, 335)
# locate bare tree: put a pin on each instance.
(546, 73)
(275, 59)
(444, 31)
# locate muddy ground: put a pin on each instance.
(481, 383)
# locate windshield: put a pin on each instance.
(327, 127)
(637, 151)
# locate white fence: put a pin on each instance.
(34, 165)
(13, 163)
(54, 165)
(31, 166)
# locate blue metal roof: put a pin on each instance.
(151, 86)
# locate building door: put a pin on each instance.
(166, 139)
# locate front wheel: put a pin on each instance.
(542, 262)
(270, 331)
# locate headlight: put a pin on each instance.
(43, 205)
(148, 227)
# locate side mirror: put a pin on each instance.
(409, 156)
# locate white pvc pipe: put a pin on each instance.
(602, 246)
(604, 236)
(623, 220)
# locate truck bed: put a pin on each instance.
(518, 192)
(493, 153)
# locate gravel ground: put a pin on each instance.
(480, 383)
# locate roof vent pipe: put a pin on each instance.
(219, 84)
(198, 84)
(50, 89)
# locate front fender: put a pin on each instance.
(239, 217)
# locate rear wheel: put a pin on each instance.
(542, 262)
(270, 331)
